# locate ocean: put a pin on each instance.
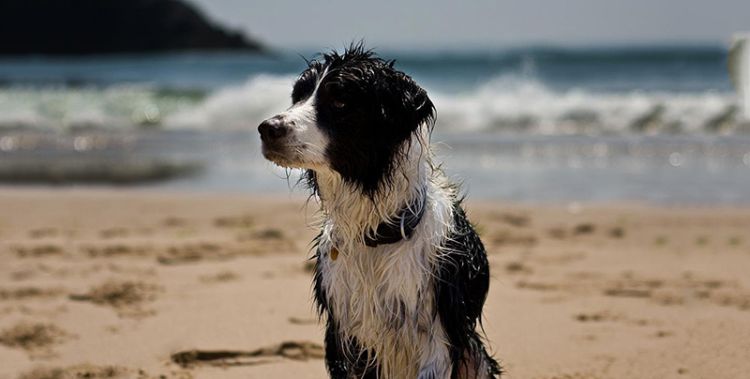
(654, 124)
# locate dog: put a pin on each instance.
(401, 276)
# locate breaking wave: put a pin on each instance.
(524, 105)
(505, 104)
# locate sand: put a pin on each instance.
(134, 284)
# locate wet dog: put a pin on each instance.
(401, 275)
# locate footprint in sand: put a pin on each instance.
(505, 237)
(126, 297)
(116, 250)
(38, 251)
(265, 235)
(220, 277)
(585, 228)
(192, 252)
(27, 293)
(516, 267)
(244, 221)
(88, 371)
(610, 316)
(37, 339)
(296, 350)
(514, 219)
(81, 371)
(303, 321)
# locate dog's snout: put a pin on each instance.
(273, 129)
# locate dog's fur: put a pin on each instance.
(409, 309)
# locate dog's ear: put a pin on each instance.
(405, 105)
(423, 107)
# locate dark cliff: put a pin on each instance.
(77, 27)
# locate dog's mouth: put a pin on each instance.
(276, 155)
(284, 156)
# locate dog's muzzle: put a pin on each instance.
(274, 133)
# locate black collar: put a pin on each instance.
(402, 227)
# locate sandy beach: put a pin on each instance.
(136, 284)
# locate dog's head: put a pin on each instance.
(352, 114)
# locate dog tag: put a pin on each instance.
(334, 253)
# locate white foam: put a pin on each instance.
(238, 107)
(504, 104)
(512, 104)
(739, 69)
(63, 108)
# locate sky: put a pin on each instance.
(427, 24)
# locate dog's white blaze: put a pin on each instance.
(311, 142)
(384, 296)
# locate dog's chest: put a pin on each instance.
(380, 296)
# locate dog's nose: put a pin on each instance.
(273, 129)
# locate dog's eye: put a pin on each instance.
(338, 104)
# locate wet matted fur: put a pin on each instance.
(405, 308)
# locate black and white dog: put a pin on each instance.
(401, 276)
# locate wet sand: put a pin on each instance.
(132, 284)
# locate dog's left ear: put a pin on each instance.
(423, 107)
(405, 105)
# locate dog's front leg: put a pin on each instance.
(354, 363)
(435, 362)
(336, 362)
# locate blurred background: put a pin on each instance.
(537, 101)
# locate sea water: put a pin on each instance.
(656, 123)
